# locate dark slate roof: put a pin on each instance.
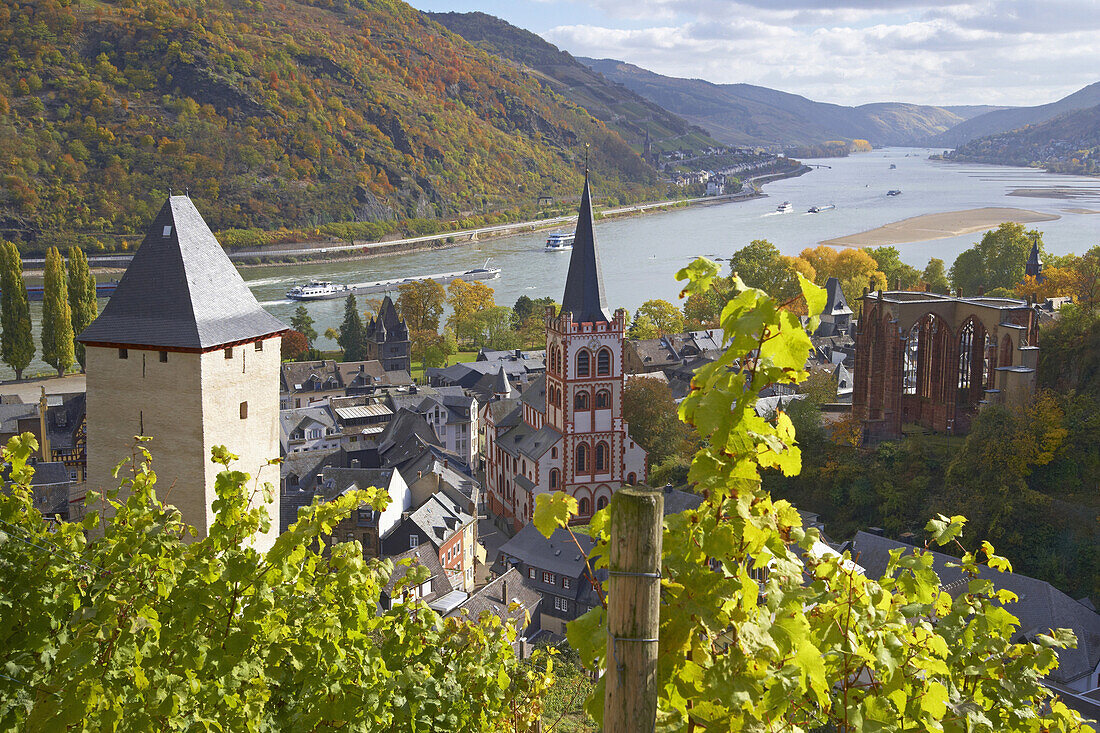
(10, 415)
(558, 554)
(584, 295)
(419, 556)
(1033, 257)
(1040, 607)
(490, 599)
(835, 302)
(677, 501)
(535, 394)
(439, 518)
(534, 445)
(388, 324)
(63, 420)
(181, 291)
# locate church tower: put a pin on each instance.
(584, 381)
(184, 354)
(1034, 266)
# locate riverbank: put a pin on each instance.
(294, 254)
(942, 225)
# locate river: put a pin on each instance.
(641, 254)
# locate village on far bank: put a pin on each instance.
(182, 353)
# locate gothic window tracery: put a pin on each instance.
(582, 458)
(584, 360)
(603, 399)
(603, 362)
(580, 400)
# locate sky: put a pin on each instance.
(944, 52)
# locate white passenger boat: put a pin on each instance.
(785, 208)
(559, 242)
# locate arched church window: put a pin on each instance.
(583, 510)
(603, 457)
(603, 399)
(631, 478)
(555, 478)
(582, 458)
(580, 400)
(584, 360)
(601, 502)
(603, 362)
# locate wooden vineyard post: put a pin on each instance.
(633, 611)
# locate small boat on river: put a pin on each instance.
(819, 209)
(785, 208)
(893, 192)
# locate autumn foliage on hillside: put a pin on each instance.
(283, 114)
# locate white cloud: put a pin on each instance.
(858, 51)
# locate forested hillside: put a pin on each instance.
(625, 112)
(284, 114)
(744, 114)
(1013, 118)
(1069, 143)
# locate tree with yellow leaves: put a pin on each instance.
(467, 301)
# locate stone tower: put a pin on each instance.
(388, 339)
(184, 354)
(584, 379)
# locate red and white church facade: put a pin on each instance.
(566, 432)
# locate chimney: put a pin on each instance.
(445, 463)
(355, 463)
(504, 591)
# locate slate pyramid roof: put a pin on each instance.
(1033, 257)
(501, 385)
(584, 296)
(388, 322)
(835, 302)
(180, 291)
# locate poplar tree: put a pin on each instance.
(57, 319)
(82, 297)
(16, 341)
(352, 336)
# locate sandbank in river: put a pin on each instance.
(939, 226)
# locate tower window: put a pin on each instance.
(229, 353)
(602, 457)
(123, 354)
(164, 356)
(244, 410)
(583, 363)
(582, 458)
(603, 399)
(580, 401)
(603, 362)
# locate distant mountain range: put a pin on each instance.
(1013, 118)
(625, 112)
(1069, 143)
(744, 114)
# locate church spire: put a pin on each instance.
(584, 296)
(1034, 266)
